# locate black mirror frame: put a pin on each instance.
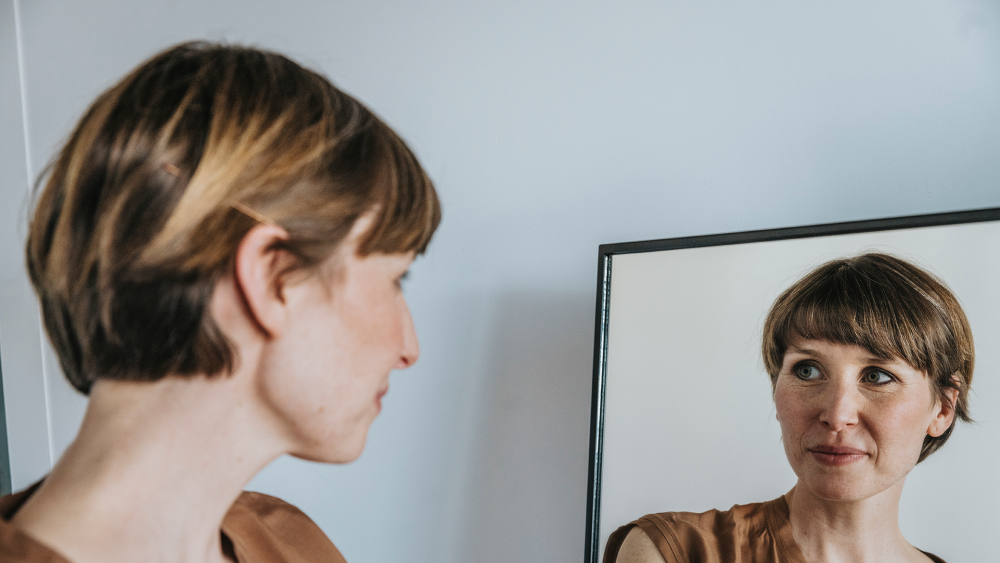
(5, 477)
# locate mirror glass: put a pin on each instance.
(688, 421)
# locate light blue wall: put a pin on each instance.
(25, 409)
(549, 128)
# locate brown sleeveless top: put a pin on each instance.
(260, 529)
(747, 533)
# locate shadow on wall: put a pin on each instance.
(528, 499)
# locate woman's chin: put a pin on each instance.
(344, 451)
(837, 488)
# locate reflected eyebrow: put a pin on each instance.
(872, 359)
(881, 360)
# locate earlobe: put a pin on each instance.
(945, 414)
(258, 267)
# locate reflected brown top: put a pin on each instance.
(747, 533)
(260, 528)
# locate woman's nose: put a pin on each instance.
(410, 349)
(839, 408)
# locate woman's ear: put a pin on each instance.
(945, 413)
(259, 265)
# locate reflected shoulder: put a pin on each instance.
(638, 548)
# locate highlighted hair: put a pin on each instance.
(144, 207)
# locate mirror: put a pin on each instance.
(682, 417)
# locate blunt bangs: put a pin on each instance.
(840, 303)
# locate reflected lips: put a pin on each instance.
(837, 455)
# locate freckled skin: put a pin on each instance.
(839, 395)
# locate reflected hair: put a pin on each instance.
(889, 306)
(144, 207)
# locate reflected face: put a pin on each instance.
(327, 374)
(852, 424)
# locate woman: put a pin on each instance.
(870, 360)
(218, 252)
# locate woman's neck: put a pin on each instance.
(153, 471)
(858, 531)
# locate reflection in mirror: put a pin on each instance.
(684, 416)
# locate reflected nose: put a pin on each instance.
(840, 406)
(410, 350)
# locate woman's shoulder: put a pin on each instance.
(15, 545)
(756, 533)
(259, 528)
(264, 528)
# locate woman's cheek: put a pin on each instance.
(782, 403)
(792, 411)
(897, 421)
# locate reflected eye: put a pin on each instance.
(401, 279)
(877, 377)
(806, 371)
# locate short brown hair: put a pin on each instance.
(888, 306)
(141, 214)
